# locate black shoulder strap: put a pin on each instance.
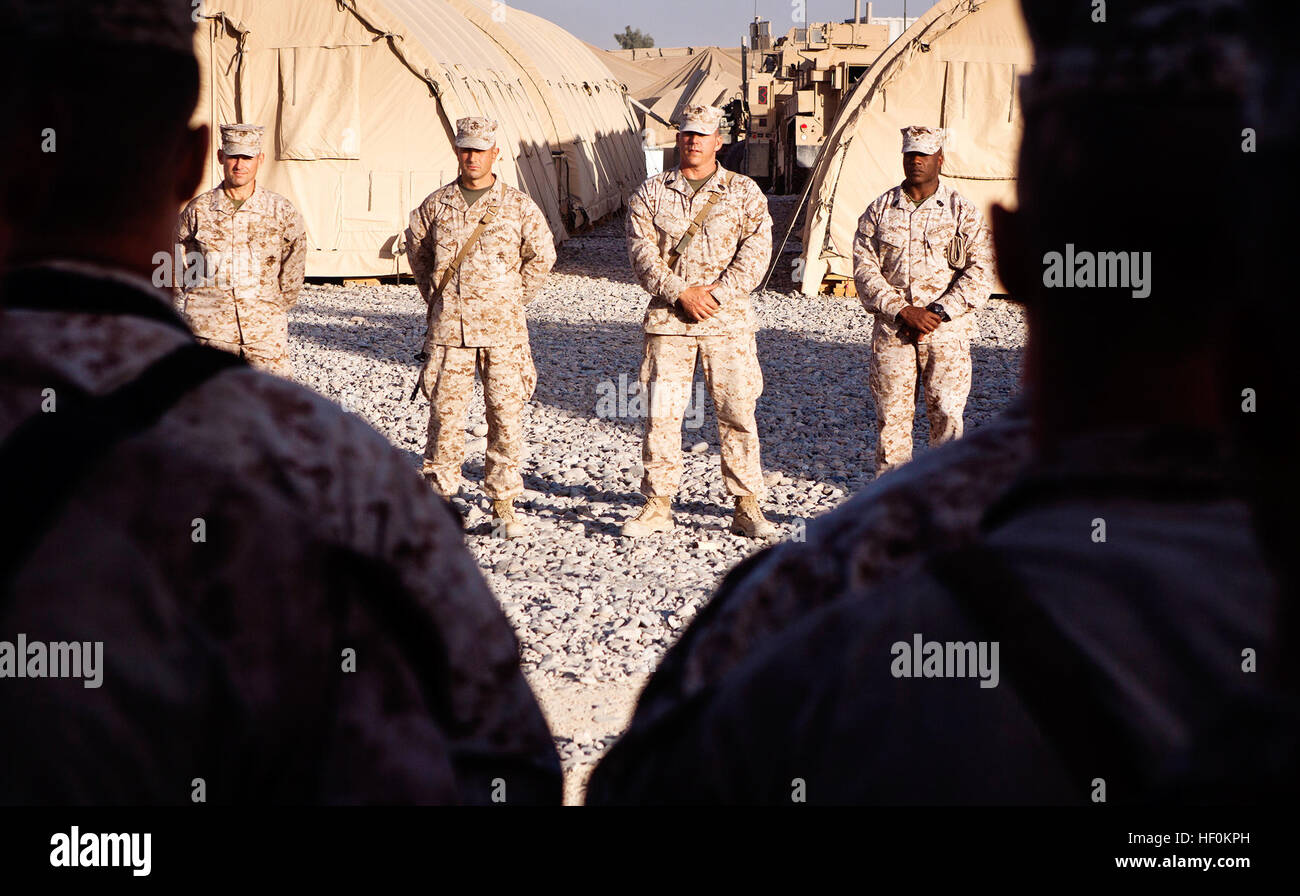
(51, 289)
(50, 454)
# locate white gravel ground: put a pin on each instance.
(594, 611)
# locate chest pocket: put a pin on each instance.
(944, 242)
(501, 240)
(723, 220)
(671, 223)
(210, 239)
(218, 256)
(893, 232)
(445, 239)
(939, 232)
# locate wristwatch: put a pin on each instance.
(936, 308)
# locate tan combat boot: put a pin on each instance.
(749, 520)
(503, 514)
(655, 516)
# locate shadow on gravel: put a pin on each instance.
(601, 501)
(576, 263)
(390, 336)
(814, 392)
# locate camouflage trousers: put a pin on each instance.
(509, 379)
(734, 380)
(271, 355)
(945, 368)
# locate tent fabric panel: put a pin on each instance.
(320, 103)
(651, 76)
(983, 129)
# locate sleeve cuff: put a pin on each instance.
(673, 288)
(891, 308)
(953, 305)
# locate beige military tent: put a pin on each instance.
(667, 79)
(957, 67)
(360, 99)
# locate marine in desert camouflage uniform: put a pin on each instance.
(923, 265)
(245, 254)
(700, 306)
(478, 321)
(1121, 650)
(234, 553)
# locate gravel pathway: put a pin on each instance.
(594, 611)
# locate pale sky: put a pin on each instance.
(697, 23)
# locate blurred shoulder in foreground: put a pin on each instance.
(214, 585)
(1116, 630)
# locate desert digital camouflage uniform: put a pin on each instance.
(479, 322)
(732, 248)
(228, 644)
(901, 256)
(254, 259)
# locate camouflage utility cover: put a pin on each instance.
(701, 119)
(242, 139)
(922, 139)
(476, 133)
